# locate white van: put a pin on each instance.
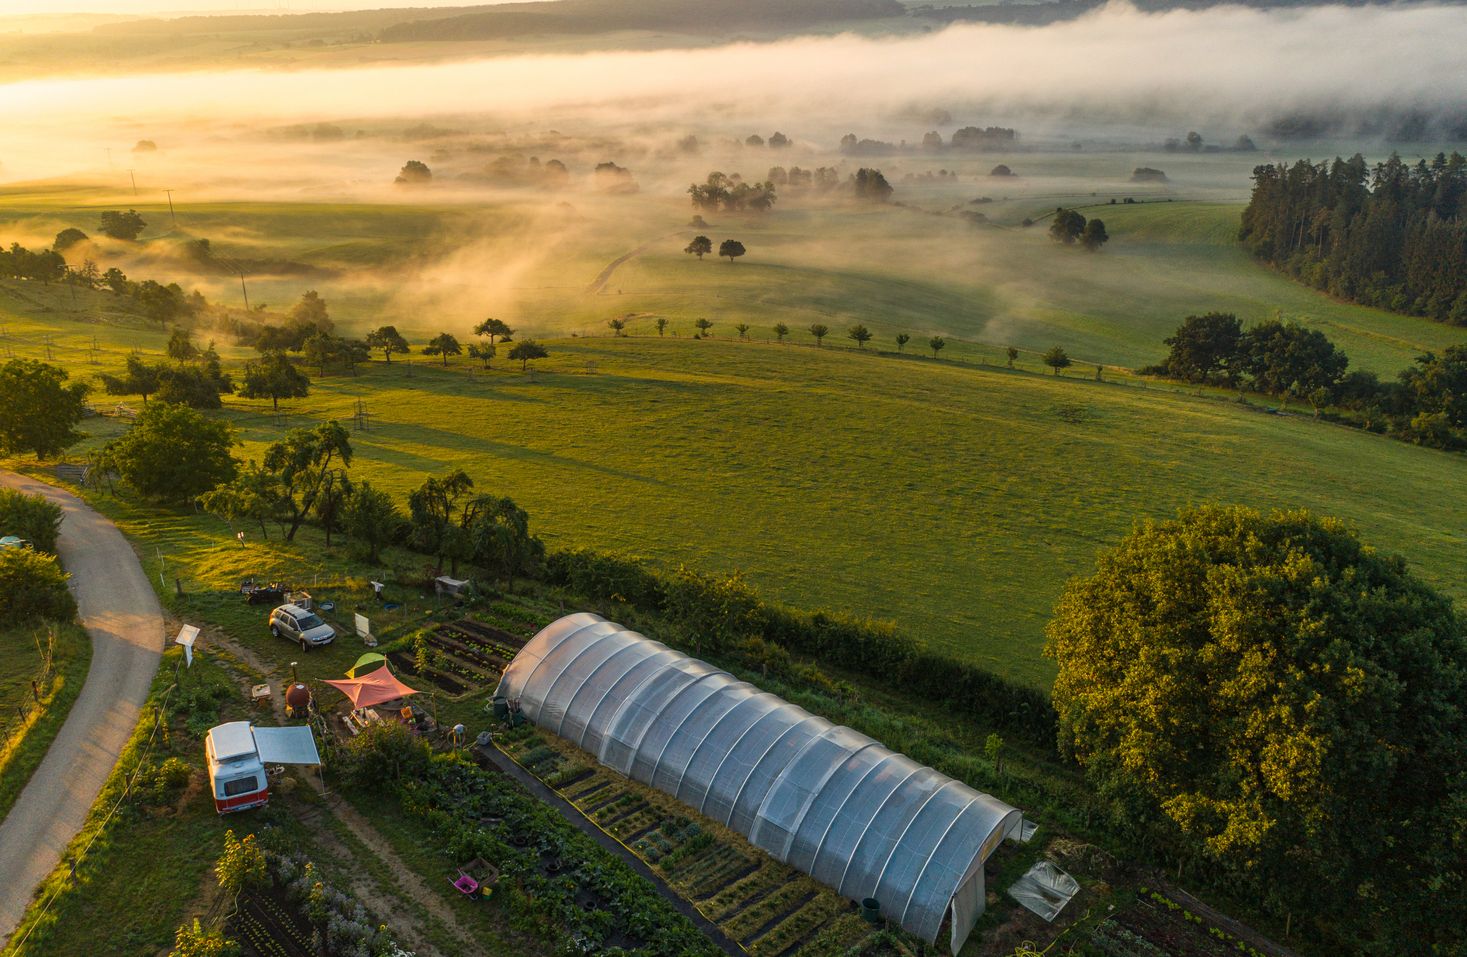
(236, 753)
(236, 773)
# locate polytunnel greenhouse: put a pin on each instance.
(823, 798)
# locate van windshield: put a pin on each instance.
(308, 622)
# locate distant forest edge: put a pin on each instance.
(604, 16)
(1393, 237)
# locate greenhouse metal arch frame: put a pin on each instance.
(823, 798)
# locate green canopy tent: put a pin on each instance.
(371, 659)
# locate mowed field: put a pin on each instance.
(954, 496)
(954, 499)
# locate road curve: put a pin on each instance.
(122, 616)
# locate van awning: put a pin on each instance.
(287, 745)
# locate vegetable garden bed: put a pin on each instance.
(771, 909)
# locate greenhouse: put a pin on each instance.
(823, 798)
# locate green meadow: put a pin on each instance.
(954, 496)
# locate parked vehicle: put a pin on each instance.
(297, 624)
(237, 752)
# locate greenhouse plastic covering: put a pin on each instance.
(823, 798)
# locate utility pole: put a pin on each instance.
(134, 176)
(171, 213)
(244, 290)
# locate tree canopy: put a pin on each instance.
(303, 463)
(274, 377)
(1056, 358)
(859, 334)
(444, 344)
(1067, 227)
(120, 225)
(526, 351)
(730, 248)
(700, 246)
(1205, 349)
(39, 411)
(172, 453)
(389, 340)
(1288, 703)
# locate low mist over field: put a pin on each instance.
(1117, 75)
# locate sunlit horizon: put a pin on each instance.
(176, 8)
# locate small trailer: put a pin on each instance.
(237, 752)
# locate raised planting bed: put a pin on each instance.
(489, 665)
(266, 925)
(402, 663)
(1170, 931)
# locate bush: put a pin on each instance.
(726, 612)
(30, 517)
(33, 587)
(383, 754)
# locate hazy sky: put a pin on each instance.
(175, 7)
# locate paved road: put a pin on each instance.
(121, 614)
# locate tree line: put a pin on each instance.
(1393, 236)
(160, 303)
(1426, 404)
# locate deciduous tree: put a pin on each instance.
(936, 344)
(859, 334)
(302, 463)
(901, 340)
(527, 351)
(1056, 358)
(700, 247)
(274, 377)
(819, 330)
(39, 411)
(1280, 698)
(730, 248)
(173, 453)
(389, 340)
(444, 344)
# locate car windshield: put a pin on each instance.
(310, 621)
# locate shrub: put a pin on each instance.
(33, 587)
(30, 517)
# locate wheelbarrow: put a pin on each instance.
(476, 879)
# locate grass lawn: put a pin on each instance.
(955, 497)
(21, 662)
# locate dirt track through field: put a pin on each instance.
(602, 278)
(125, 623)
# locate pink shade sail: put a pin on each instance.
(376, 688)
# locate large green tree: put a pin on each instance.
(39, 411)
(172, 453)
(1205, 348)
(304, 462)
(444, 344)
(1288, 359)
(441, 511)
(1289, 704)
(371, 519)
(501, 541)
(389, 340)
(274, 377)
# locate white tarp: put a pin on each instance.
(287, 745)
(1045, 890)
